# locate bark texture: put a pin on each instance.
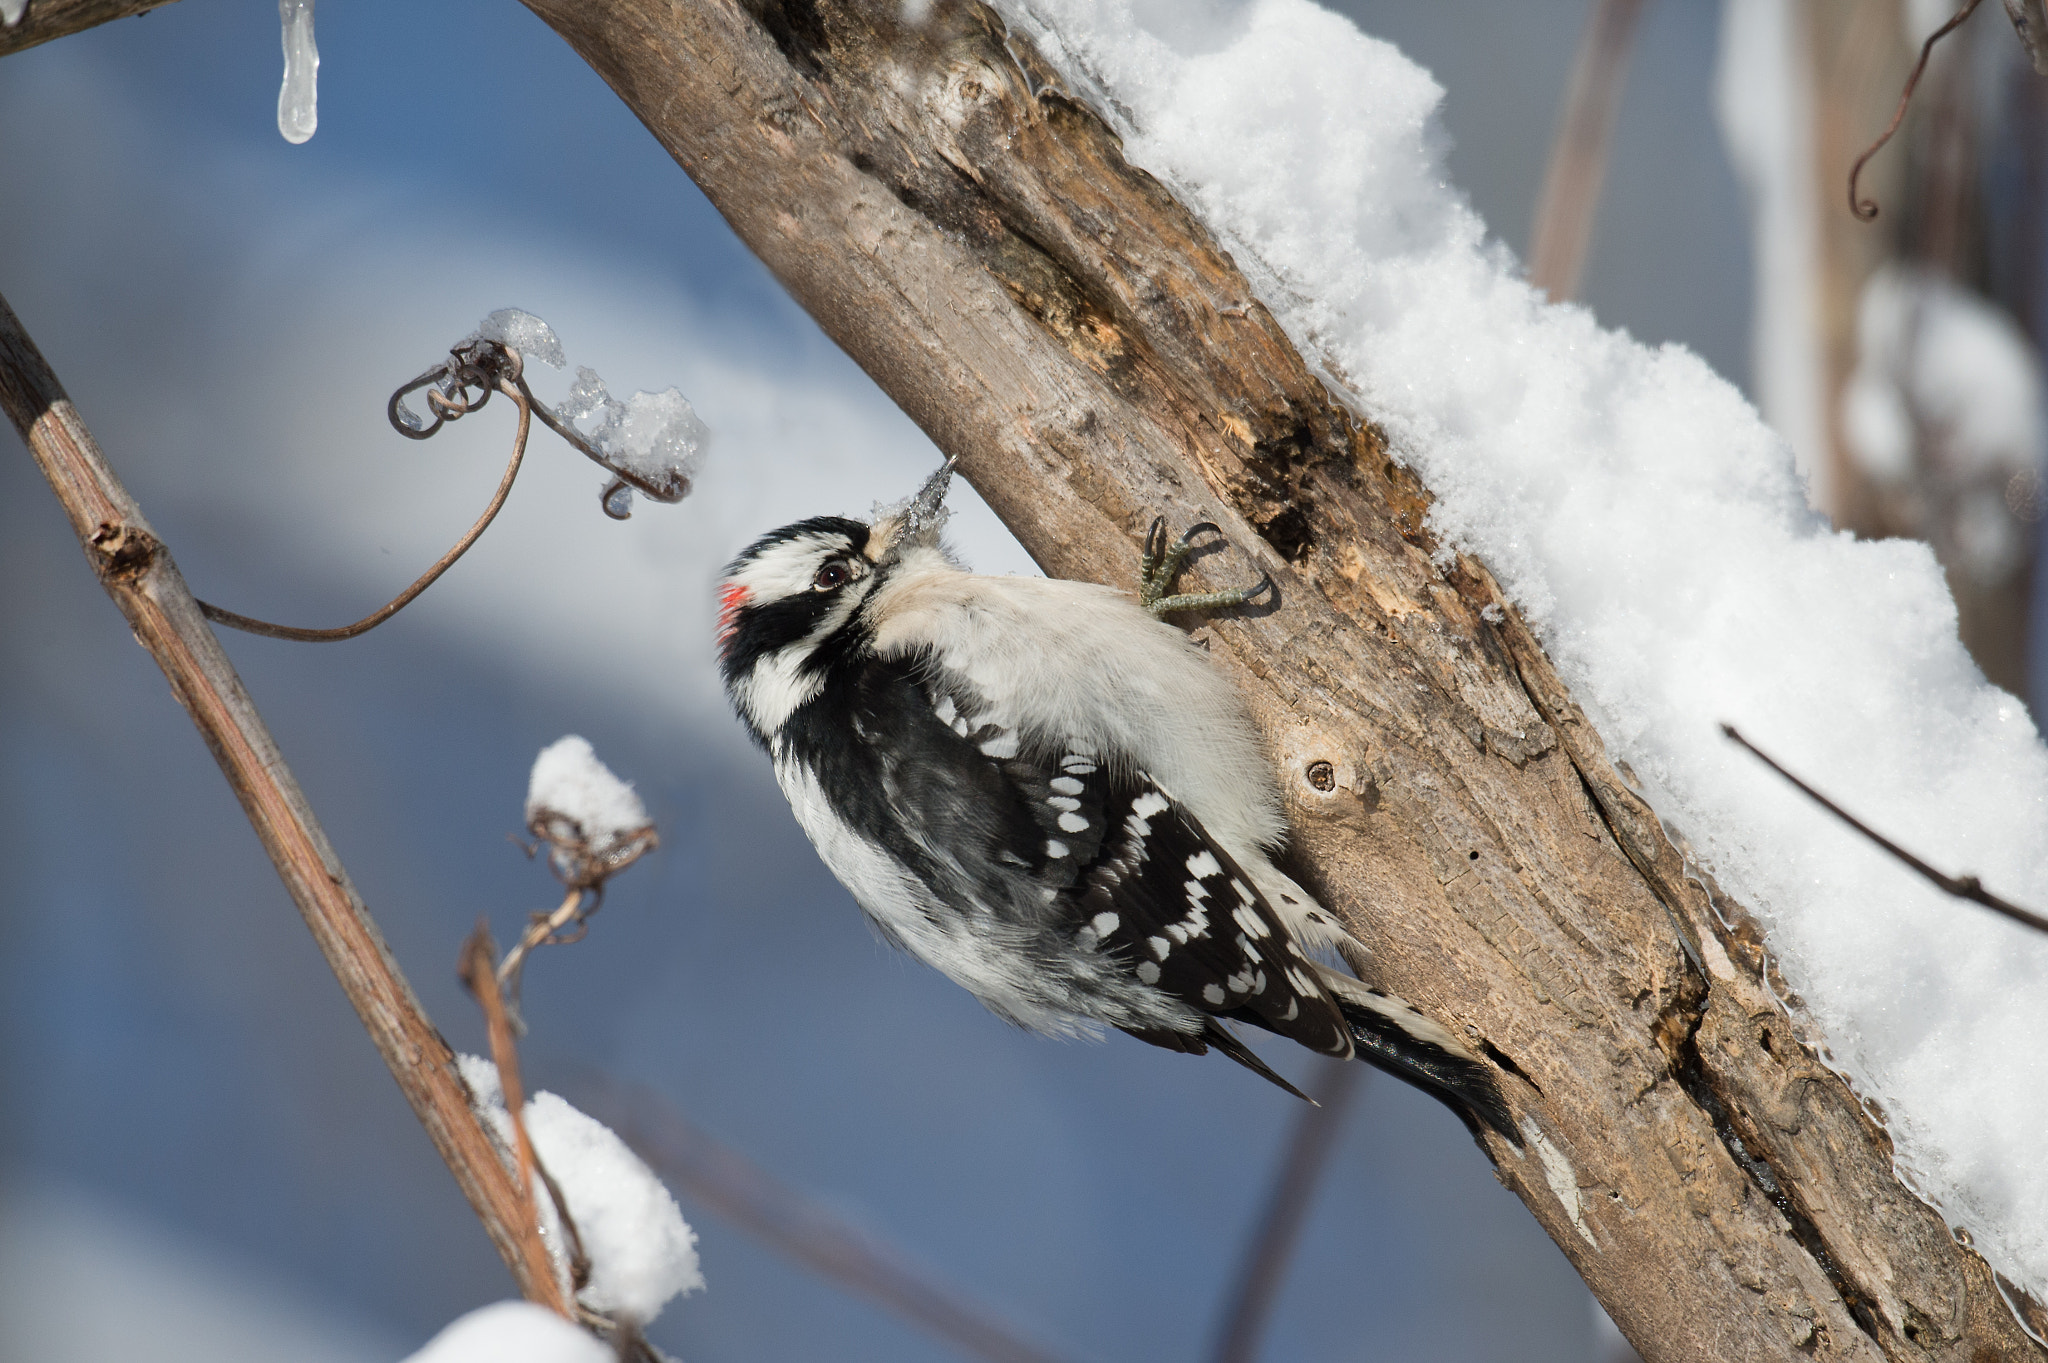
(969, 230)
(47, 19)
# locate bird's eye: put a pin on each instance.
(833, 574)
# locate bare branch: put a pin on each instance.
(787, 1221)
(48, 19)
(1962, 887)
(1578, 156)
(474, 966)
(137, 571)
(1271, 1248)
(514, 388)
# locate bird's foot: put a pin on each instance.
(1162, 564)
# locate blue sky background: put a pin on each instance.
(229, 312)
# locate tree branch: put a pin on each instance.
(136, 569)
(968, 230)
(47, 19)
(794, 1225)
(1271, 1249)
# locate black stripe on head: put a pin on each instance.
(856, 533)
(756, 617)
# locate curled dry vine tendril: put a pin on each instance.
(481, 367)
(1866, 209)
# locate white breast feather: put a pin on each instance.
(908, 916)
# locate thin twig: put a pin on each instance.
(475, 966)
(138, 573)
(1271, 1248)
(514, 389)
(1578, 155)
(542, 929)
(1962, 887)
(1866, 209)
(789, 1222)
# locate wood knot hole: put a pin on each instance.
(1322, 776)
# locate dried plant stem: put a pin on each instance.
(792, 1224)
(1578, 156)
(250, 625)
(1962, 887)
(543, 927)
(1866, 209)
(47, 19)
(478, 956)
(138, 573)
(1272, 1246)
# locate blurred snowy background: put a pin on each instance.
(202, 1157)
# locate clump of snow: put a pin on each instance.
(1655, 533)
(642, 1253)
(11, 11)
(651, 442)
(523, 332)
(1932, 355)
(298, 98)
(657, 437)
(593, 822)
(513, 1332)
(641, 1250)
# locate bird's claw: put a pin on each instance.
(1162, 564)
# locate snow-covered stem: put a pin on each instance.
(137, 571)
(477, 968)
(1068, 328)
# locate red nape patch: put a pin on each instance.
(730, 599)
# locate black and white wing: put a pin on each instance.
(1140, 881)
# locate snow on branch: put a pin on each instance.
(593, 823)
(513, 1332)
(1653, 532)
(651, 443)
(641, 1252)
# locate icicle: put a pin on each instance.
(11, 12)
(298, 108)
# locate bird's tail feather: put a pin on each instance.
(1410, 1045)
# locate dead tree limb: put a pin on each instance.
(47, 19)
(136, 569)
(968, 230)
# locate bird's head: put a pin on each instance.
(789, 605)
